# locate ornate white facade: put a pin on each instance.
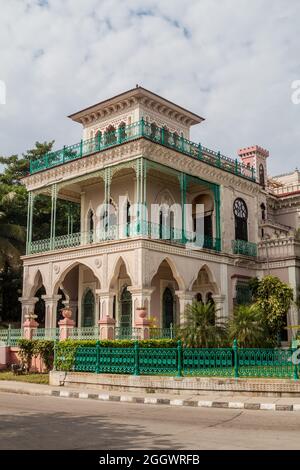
(137, 145)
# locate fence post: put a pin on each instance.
(8, 335)
(295, 368)
(236, 359)
(179, 358)
(136, 358)
(98, 357)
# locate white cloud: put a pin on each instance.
(232, 62)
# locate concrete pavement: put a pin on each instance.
(48, 422)
(212, 400)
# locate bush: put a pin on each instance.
(30, 348)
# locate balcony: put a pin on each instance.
(142, 229)
(135, 131)
(242, 247)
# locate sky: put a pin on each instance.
(231, 61)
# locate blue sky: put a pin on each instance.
(232, 62)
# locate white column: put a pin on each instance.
(220, 310)
(185, 298)
(105, 303)
(50, 310)
(224, 289)
(28, 304)
(141, 297)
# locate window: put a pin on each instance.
(261, 175)
(110, 135)
(240, 217)
(263, 211)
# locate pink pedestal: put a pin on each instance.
(29, 327)
(107, 328)
(144, 325)
(65, 327)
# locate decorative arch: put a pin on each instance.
(69, 268)
(38, 282)
(173, 268)
(240, 212)
(204, 282)
(116, 270)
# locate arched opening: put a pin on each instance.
(90, 225)
(168, 302)
(110, 137)
(204, 286)
(261, 172)
(88, 308)
(122, 131)
(263, 212)
(153, 130)
(164, 302)
(205, 226)
(125, 308)
(241, 219)
(39, 308)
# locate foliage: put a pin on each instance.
(26, 352)
(199, 329)
(247, 327)
(273, 298)
(45, 349)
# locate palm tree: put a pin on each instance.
(12, 238)
(247, 326)
(199, 329)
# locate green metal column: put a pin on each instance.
(53, 215)
(183, 186)
(29, 222)
(217, 201)
(70, 218)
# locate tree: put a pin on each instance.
(199, 329)
(273, 298)
(247, 326)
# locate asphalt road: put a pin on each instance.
(28, 422)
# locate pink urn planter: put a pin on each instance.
(66, 312)
(142, 312)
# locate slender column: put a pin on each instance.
(183, 202)
(28, 304)
(107, 182)
(29, 222)
(217, 201)
(53, 215)
(141, 297)
(50, 309)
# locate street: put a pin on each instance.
(28, 422)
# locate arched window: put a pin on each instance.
(122, 131)
(240, 218)
(153, 130)
(166, 135)
(209, 298)
(168, 308)
(198, 298)
(90, 225)
(126, 308)
(263, 211)
(261, 172)
(110, 135)
(88, 308)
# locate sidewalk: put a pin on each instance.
(207, 401)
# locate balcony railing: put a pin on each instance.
(120, 232)
(135, 131)
(242, 247)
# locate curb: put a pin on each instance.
(176, 401)
(151, 400)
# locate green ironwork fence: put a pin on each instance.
(10, 336)
(219, 362)
(135, 131)
(241, 247)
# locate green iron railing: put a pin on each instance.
(241, 247)
(10, 336)
(219, 362)
(118, 232)
(46, 333)
(135, 131)
(85, 332)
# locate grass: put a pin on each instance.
(36, 378)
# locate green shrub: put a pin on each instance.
(26, 352)
(30, 348)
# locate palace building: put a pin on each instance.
(105, 266)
